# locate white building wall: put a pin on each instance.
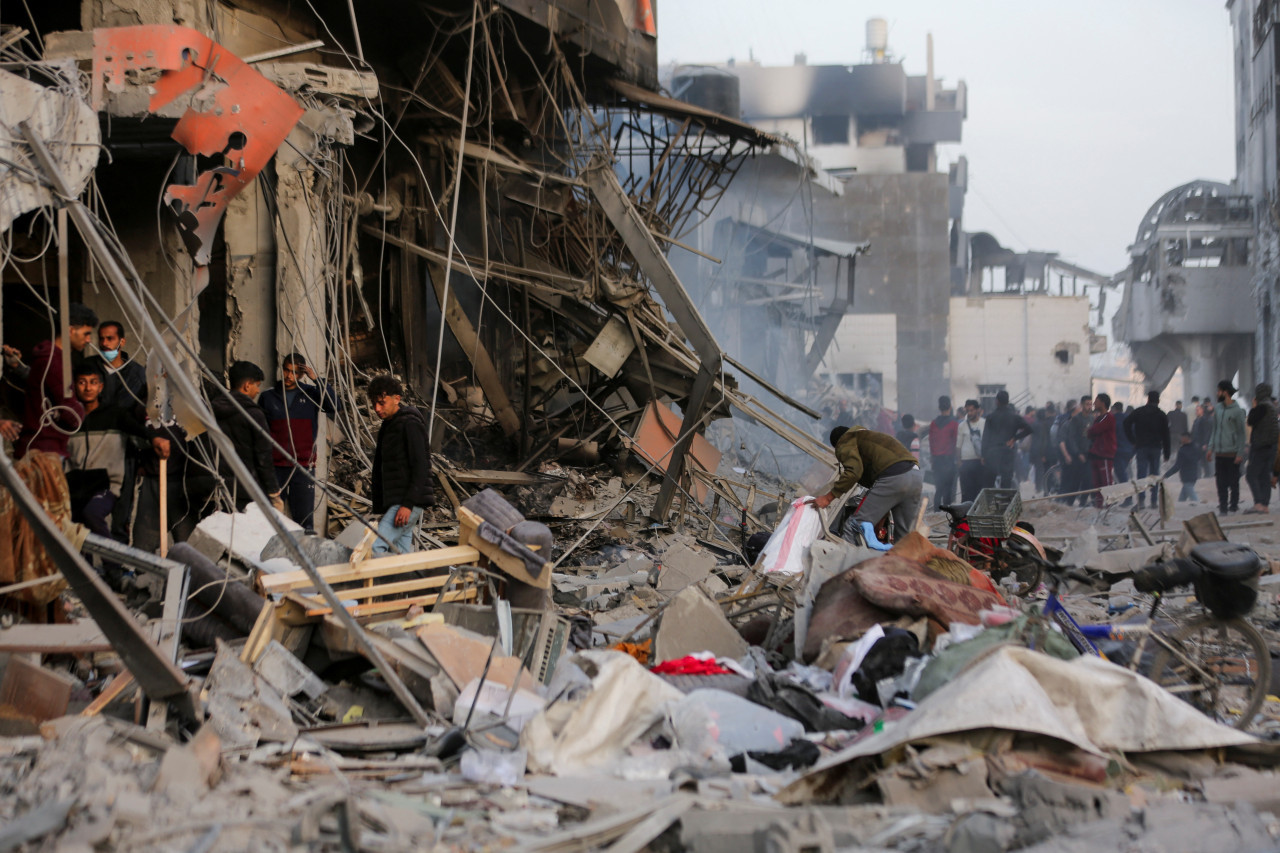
(1015, 341)
(866, 343)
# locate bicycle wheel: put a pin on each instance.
(1221, 667)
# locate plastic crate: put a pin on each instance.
(994, 513)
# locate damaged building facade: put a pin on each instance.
(487, 214)
(1188, 276)
(1257, 130)
(842, 260)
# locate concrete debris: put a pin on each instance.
(614, 619)
(691, 623)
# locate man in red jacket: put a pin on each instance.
(1102, 445)
(942, 452)
(50, 415)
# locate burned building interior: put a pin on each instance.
(647, 317)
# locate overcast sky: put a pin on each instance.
(1081, 113)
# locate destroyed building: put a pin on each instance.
(1188, 276)
(531, 185)
(874, 128)
(1255, 49)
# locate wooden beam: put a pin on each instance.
(458, 555)
(469, 341)
(399, 604)
(119, 683)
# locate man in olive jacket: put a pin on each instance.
(880, 463)
(401, 487)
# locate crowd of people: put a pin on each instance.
(1080, 446)
(115, 459)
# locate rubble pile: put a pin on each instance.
(669, 696)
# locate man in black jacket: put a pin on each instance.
(245, 424)
(401, 486)
(1148, 431)
(1264, 434)
(1005, 428)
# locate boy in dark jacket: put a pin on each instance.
(401, 487)
(246, 425)
(1187, 467)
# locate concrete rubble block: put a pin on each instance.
(243, 708)
(683, 566)
(241, 535)
(192, 768)
(282, 670)
(321, 551)
(694, 623)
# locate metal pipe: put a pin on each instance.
(110, 549)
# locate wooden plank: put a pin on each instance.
(396, 588)
(398, 604)
(109, 694)
(75, 638)
(458, 555)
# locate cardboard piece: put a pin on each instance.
(34, 693)
(462, 655)
(695, 623)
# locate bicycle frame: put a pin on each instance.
(1082, 636)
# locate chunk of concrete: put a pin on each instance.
(695, 623)
(242, 535)
(682, 567)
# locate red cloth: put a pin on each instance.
(690, 665)
(1104, 474)
(1102, 436)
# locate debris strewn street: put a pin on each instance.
(446, 427)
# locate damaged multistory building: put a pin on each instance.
(485, 208)
(1186, 289)
(875, 128)
(1257, 128)
(844, 258)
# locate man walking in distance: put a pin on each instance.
(402, 486)
(1102, 446)
(943, 431)
(1148, 430)
(969, 451)
(1201, 433)
(1264, 434)
(1177, 424)
(1005, 428)
(293, 412)
(881, 464)
(1226, 447)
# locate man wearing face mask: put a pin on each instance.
(125, 387)
(1226, 447)
(126, 380)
